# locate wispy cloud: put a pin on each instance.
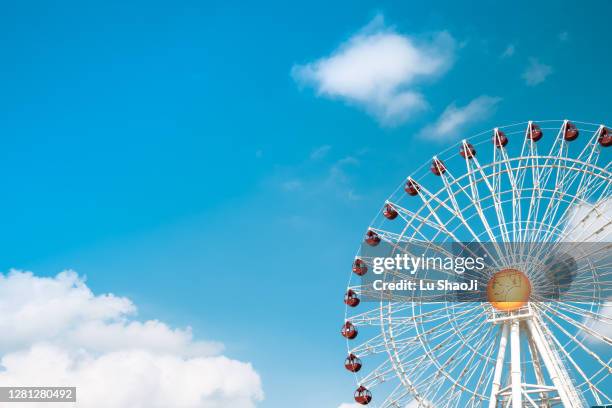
(291, 185)
(454, 119)
(563, 36)
(509, 51)
(536, 72)
(314, 178)
(377, 68)
(320, 152)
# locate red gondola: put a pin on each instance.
(437, 167)
(605, 138)
(362, 395)
(467, 151)
(351, 299)
(571, 132)
(349, 331)
(390, 213)
(412, 188)
(360, 267)
(534, 133)
(352, 363)
(372, 238)
(499, 139)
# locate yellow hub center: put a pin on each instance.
(508, 290)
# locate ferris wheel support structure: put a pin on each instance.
(517, 390)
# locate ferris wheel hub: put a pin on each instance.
(508, 290)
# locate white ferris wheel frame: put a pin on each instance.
(530, 225)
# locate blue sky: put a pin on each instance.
(166, 151)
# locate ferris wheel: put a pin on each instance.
(538, 185)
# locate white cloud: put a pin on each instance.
(377, 69)
(509, 51)
(454, 119)
(536, 72)
(320, 152)
(56, 331)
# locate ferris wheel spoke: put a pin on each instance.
(481, 382)
(520, 174)
(473, 196)
(428, 350)
(427, 197)
(586, 223)
(502, 161)
(410, 217)
(474, 165)
(587, 158)
(468, 367)
(543, 172)
(457, 209)
(438, 225)
(595, 391)
(574, 338)
(536, 192)
(381, 374)
(452, 360)
(585, 187)
(436, 331)
(569, 217)
(372, 317)
(565, 317)
(558, 154)
(397, 308)
(374, 345)
(596, 316)
(582, 196)
(591, 151)
(398, 398)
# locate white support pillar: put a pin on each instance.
(499, 365)
(550, 363)
(515, 349)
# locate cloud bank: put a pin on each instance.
(57, 332)
(377, 69)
